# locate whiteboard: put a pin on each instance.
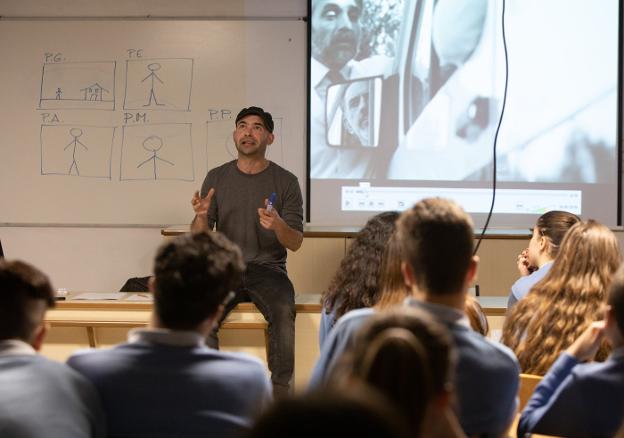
(117, 122)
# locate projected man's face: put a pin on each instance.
(355, 108)
(335, 31)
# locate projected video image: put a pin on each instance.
(410, 91)
(406, 98)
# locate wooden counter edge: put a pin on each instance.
(241, 308)
(125, 305)
(342, 233)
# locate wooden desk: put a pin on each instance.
(83, 324)
(121, 313)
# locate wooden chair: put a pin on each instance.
(528, 382)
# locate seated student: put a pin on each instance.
(436, 240)
(393, 292)
(561, 306)
(578, 400)
(535, 261)
(410, 358)
(356, 282)
(165, 381)
(38, 397)
(359, 412)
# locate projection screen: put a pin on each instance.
(406, 96)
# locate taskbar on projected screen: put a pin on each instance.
(367, 198)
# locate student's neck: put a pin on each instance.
(252, 165)
(204, 328)
(544, 260)
(454, 300)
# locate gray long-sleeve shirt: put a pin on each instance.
(234, 209)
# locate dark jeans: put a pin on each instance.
(274, 296)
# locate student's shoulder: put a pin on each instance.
(596, 374)
(97, 358)
(236, 359)
(238, 365)
(478, 347)
(353, 316)
(57, 373)
(42, 365)
(352, 321)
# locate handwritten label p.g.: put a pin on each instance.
(53, 57)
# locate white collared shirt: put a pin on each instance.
(446, 314)
(16, 347)
(174, 338)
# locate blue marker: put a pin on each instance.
(271, 202)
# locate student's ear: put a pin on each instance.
(543, 243)
(471, 275)
(270, 138)
(151, 284)
(408, 274)
(217, 316)
(40, 332)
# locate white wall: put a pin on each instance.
(78, 259)
(101, 259)
(143, 8)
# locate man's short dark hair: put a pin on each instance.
(21, 287)
(437, 240)
(193, 275)
(266, 117)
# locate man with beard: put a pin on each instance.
(336, 34)
(258, 205)
(355, 108)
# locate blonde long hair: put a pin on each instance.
(393, 288)
(561, 306)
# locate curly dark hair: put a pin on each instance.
(356, 283)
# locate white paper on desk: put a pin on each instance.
(98, 296)
(139, 297)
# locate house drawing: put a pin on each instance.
(93, 92)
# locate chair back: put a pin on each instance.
(528, 382)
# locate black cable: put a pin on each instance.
(500, 120)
